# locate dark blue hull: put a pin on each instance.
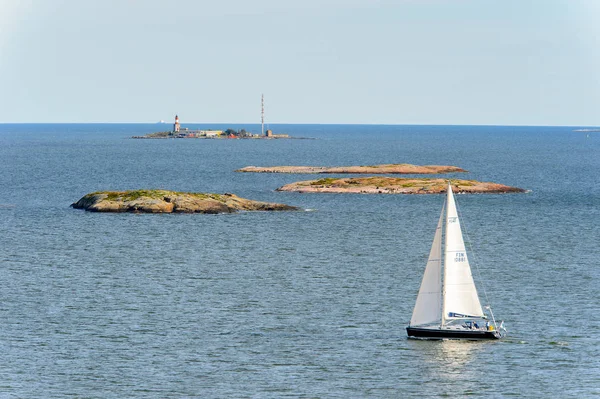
(430, 333)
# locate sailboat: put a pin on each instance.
(448, 305)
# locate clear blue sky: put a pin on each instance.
(513, 62)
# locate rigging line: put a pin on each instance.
(475, 258)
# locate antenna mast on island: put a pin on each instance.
(262, 114)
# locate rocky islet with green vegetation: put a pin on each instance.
(396, 185)
(164, 201)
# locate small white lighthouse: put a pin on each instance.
(176, 125)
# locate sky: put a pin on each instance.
(455, 62)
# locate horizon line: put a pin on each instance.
(293, 123)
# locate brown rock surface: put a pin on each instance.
(370, 169)
(163, 201)
(396, 185)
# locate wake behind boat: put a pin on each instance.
(448, 306)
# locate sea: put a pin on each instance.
(307, 304)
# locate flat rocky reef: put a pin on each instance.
(402, 168)
(396, 185)
(163, 201)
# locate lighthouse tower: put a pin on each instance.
(176, 125)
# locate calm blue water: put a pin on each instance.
(296, 304)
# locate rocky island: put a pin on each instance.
(402, 168)
(180, 132)
(163, 201)
(396, 185)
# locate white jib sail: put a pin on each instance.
(460, 294)
(428, 308)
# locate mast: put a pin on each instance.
(262, 114)
(444, 256)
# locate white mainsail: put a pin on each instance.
(428, 308)
(460, 295)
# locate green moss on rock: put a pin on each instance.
(164, 201)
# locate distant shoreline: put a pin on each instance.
(227, 134)
(224, 138)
